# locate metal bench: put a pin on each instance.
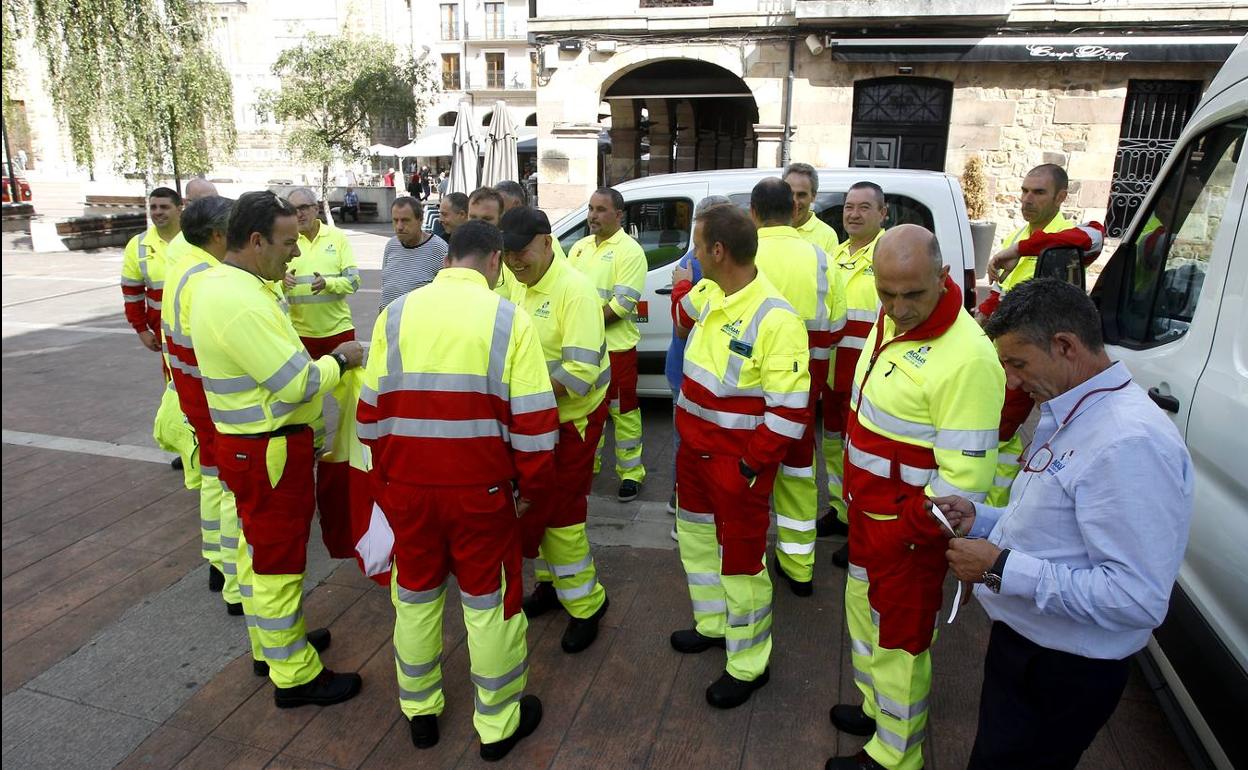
(368, 210)
(115, 202)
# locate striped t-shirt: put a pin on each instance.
(404, 269)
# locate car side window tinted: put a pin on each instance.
(662, 227)
(569, 239)
(1165, 258)
(828, 206)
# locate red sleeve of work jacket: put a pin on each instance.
(680, 314)
(533, 418)
(133, 288)
(784, 372)
(1088, 237)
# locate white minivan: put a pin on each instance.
(659, 215)
(1174, 304)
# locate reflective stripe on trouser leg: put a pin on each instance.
(499, 661)
(541, 571)
(1007, 468)
(627, 444)
(566, 550)
(210, 521)
(699, 554)
(211, 492)
(278, 602)
(834, 463)
(748, 632)
(864, 635)
(902, 685)
(246, 592)
(418, 646)
(795, 499)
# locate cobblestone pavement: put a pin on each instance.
(114, 654)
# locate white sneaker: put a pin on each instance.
(674, 537)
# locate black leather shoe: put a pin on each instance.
(798, 587)
(831, 526)
(852, 720)
(581, 632)
(424, 731)
(689, 641)
(542, 600)
(629, 490)
(176, 463)
(860, 761)
(319, 638)
(327, 689)
(728, 692)
(841, 557)
(216, 579)
(234, 608)
(530, 718)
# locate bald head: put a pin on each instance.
(909, 274)
(199, 188)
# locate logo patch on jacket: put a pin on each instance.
(918, 357)
(543, 311)
(733, 329)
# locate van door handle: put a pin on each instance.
(664, 290)
(1169, 403)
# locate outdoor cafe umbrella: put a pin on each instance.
(464, 154)
(500, 149)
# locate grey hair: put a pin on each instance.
(308, 191)
(1041, 308)
(805, 169)
(203, 217)
(708, 201)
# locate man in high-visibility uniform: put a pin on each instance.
(568, 316)
(803, 179)
(923, 419)
(863, 217)
(143, 266)
(317, 284)
(455, 405)
(263, 391)
(202, 245)
(1043, 193)
(616, 265)
(196, 189)
(805, 277)
(743, 403)
(489, 204)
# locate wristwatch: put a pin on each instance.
(342, 361)
(747, 472)
(992, 578)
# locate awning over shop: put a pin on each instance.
(1055, 48)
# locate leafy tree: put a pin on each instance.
(141, 73)
(336, 90)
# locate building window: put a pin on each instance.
(449, 19)
(495, 74)
(450, 72)
(494, 21)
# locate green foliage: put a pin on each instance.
(335, 90)
(141, 74)
(975, 188)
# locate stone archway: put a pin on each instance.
(690, 115)
(447, 118)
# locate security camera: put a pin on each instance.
(815, 44)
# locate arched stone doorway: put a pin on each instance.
(447, 119)
(679, 115)
(531, 120)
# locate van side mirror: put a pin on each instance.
(1064, 263)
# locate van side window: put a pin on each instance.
(662, 227)
(829, 206)
(1167, 255)
(569, 239)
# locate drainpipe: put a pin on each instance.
(788, 104)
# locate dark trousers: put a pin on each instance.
(1041, 708)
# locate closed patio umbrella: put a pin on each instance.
(500, 149)
(464, 154)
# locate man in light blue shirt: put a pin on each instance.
(1077, 571)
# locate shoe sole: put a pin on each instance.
(757, 685)
(296, 703)
(700, 648)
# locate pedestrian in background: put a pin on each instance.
(412, 257)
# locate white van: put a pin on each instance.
(659, 214)
(1174, 304)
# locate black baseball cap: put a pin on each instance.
(520, 225)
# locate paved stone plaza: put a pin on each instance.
(115, 654)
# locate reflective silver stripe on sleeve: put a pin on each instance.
(851, 342)
(223, 386)
(969, 440)
(711, 382)
(177, 296)
(314, 299)
(422, 669)
(287, 372)
(730, 420)
(581, 355)
(784, 427)
(496, 683)
(604, 293)
(500, 341)
(394, 320)
(941, 488)
(821, 290)
(483, 602)
(858, 314)
(882, 467)
(686, 304)
(237, 416)
(421, 597)
(535, 402)
(799, 399)
(147, 277)
(886, 421)
(540, 443)
(624, 290)
(570, 381)
(604, 378)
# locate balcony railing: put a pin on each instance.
(449, 32)
(495, 82)
(496, 31)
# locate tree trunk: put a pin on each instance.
(173, 152)
(329, 217)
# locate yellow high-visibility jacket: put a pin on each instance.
(1025, 270)
(820, 233)
(325, 313)
(256, 374)
(862, 306)
(808, 280)
(456, 391)
(617, 269)
(143, 279)
(568, 316)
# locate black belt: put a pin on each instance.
(285, 430)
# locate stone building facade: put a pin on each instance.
(877, 83)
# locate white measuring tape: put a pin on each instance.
(957, 597)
